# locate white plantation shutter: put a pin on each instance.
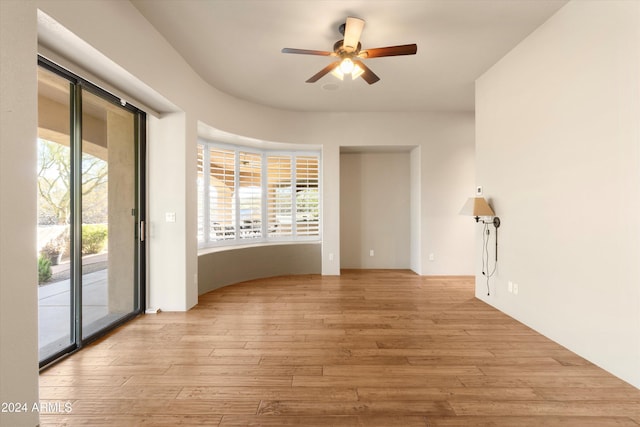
(256, 195)
(222, 183)
(250, 195)
(279, 196)
(307, 196)
(201, 200)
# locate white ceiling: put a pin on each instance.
(235, 46)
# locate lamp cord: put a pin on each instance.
(485, 255)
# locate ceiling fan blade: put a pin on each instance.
(308, 52)
(368, 75)
(405, 49)
(326, 70)
(352, 31)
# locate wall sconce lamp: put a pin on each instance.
(478, 207)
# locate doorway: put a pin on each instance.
(375, 208)
(90, 211)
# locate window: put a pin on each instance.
(221, 191)
(307, 196)
(249, 195)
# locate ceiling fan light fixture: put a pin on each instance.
(350, 52)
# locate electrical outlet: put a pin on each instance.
(170, 217)
(432, 257)
(330, 257)
(515, 289)
(370, 252)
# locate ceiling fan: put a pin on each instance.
(351, 55)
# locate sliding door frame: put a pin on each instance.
(78, 85)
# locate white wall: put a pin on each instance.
(18, 276)
(167, 171)
(415, 211)
(444, 158)
(447, 171)
(375, 210)
(558, 152)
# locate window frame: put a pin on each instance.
(204, 200)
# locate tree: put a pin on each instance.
(54, 185)
(54, 180)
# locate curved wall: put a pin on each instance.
(234, 265)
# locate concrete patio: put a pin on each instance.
(54, 307)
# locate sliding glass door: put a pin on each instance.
(90, 211)
(54, 213)
(108, 213)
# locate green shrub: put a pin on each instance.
(44, 269)
(94, 237)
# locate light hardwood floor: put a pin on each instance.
(368, 348)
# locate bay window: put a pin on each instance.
(247, 195)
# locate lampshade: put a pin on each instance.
(346, 66)
(357, 72)
(477, 206)
(339, 74)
